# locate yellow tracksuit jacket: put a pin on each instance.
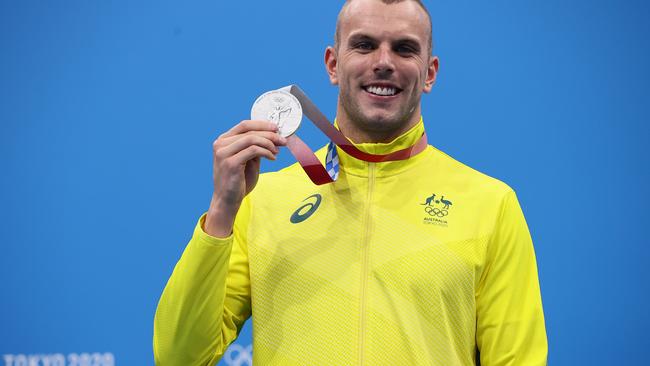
(417, 262)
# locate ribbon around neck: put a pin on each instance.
(312, 166)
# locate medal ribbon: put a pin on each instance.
(310, 163)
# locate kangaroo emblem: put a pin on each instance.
(429, 200)
(445, 202)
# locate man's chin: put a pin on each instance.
(380, 122)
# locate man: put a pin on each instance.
(360, 271)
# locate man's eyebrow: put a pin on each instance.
(359, 37)
(411, 41)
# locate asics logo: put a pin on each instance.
(305, 211)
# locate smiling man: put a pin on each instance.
(416, 261)
(382, 63)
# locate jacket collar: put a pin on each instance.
(353, 166)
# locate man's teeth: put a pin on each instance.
(381, 91)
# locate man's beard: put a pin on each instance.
(382, 124)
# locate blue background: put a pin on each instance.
(108, 110)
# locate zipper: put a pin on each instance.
(364, 262)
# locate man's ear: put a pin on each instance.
(330, 65)
(432, 73)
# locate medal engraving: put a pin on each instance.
(281, 108)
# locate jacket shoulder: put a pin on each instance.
(469, 178)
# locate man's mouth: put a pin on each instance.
(382, 90)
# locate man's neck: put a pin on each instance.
(358, 135)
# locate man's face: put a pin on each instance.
(382, 64)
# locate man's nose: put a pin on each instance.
(384, 62)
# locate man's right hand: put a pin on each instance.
(236, 168)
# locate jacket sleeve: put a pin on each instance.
(206, 300)
(510, 319)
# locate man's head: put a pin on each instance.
(337, 34)
(382, 64)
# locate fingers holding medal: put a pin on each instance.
(249, 139)
(275, 116)
(236, 162)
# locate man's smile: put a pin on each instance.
(381, 90)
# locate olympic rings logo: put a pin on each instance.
(434, 211)
(237, 355)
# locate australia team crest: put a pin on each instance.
(437, 209)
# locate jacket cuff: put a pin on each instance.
(201, 236)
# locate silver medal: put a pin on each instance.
(281, 108)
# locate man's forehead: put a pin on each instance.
(374, 17)
(376, 27)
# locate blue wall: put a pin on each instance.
(108, 110)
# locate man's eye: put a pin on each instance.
(405, 49)
(364, 46)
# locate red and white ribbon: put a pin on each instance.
(310, 163)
